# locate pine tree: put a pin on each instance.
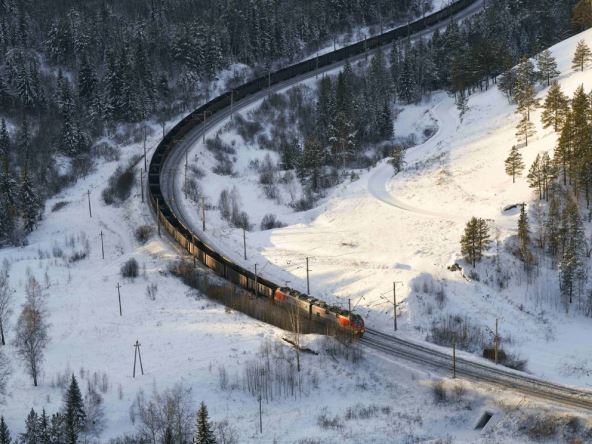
(57, 429)
(526, 99)
(4, 146)
(535, 176)
(74, 415)
(547, 66)
(475, 240)
(385, 123)
(31, 434)
(30, 206)
(514, 163)
(4, 432)
(555, 108)
(582, 15)
(524, 237)
(552, 227)
(524, 129)
(582, 55)
(44, 428)
(203, 433)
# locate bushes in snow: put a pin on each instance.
(269, 222)
(143, 233)
(119, 187)
(130, 269)
(229, 206)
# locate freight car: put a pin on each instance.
(208, 256)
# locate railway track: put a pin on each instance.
(185, 229)
(481, 372)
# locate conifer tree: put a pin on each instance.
(475, 240)
(44, 428)
(552, 227)
(30, 205)
(582, 15)
(4, 432)
(524, 129)
(514, 163)
(535, 176)
(555, 108)
(582, 56)
(203, 432)
(524, 237)
(547, 66)
(31, 433)
(73, 412)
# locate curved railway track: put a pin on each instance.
(183, 228)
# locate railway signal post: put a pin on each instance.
(142, 183)
(245, 243)
(102, 245)
(496, 342)
(256, 289)
(203, 214)
(89, 207)
(145, 161)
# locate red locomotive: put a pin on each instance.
(320, 309)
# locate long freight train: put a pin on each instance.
(205, 254)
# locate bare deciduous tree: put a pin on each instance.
(5, 302)
(32, 329)
(4, 372)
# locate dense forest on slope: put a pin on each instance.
(72, 72)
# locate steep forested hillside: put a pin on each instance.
(73, 71)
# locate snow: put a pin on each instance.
(363, 236)
(366, 234)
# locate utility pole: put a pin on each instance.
(454, 358)
(102, 246)
(204, 127)
(260, 416)
(203, 213)
(138, 355)
(119, 297)
(158, 215)
(245, 243)
(256, 287)
(142, 183)
(496, 340)
(231, 103)
(89, 207)
(395, 302)
(145, 161)
(351, 330)
(307, 278)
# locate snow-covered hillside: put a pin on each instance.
(379, 229)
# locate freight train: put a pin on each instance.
(205, 254)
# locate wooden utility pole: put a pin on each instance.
(203, 213)
(142, 183)
(260, 416)
(307, 278)
(119, 297)
(395, 303)
(454, 358)
(231, 103)
(145, 160)
(89, 207)
(204, 127)
(137, 355)
(102, 246)
(256, 288)
(351, 330)
(496, 341)
(245, 243)
(158, 215)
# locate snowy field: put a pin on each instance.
(368, 233)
